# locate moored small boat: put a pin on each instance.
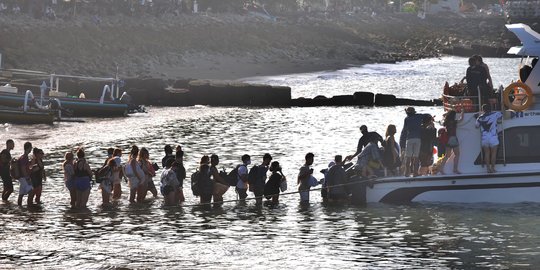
(108, 105)
(19, 116)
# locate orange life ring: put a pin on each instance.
(514, 89)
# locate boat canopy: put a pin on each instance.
(530, 40)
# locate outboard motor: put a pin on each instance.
(126, 98)
(54, 104)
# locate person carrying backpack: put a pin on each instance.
(242, 182)
(257, 178)
(203, 183)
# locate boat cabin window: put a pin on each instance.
(521, 146)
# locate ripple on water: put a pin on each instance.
(149, 235)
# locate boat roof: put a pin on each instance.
(530, 40)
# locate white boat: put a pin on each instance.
(518, 160)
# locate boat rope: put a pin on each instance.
(181, 205)
(281, 193)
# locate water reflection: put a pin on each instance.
(236, 235)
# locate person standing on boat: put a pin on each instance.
(452, 146)
(390, 158)
(37, 175)
(306, 179)
(5, 161)
(69, 177)
(335, 178)
(83, 177)
(242, 179)
(410, 140)
(180, 172)
(428, 137)
(480, 62)
(366, 138)
(25, 187)
(487, 122)
(477, 77)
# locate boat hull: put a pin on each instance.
(31, 117)
(494, 188)
(79, 107)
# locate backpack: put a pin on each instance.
(102, 174)
(253, 175)
(195, 183)
(14, 169)
(232, 176)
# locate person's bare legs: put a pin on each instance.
(456, 160)
(493, 158)
(408, 166)
(487, 158)
(117, 191)
(132, 193)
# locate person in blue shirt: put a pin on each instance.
(410, 140)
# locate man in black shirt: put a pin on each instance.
(168, 155)
(364, 140)
(477, 79)
(5, 159)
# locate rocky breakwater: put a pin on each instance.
(206, 92)
(151, 91)
(362, 99)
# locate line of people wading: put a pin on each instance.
(413, 156)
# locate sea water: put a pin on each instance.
(378, 236)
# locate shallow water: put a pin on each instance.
(289, 235)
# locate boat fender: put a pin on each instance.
(513, 89)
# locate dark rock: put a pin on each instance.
(342, 100)
(364, 98)
(385, 100)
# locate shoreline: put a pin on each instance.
(232, 46)
(238, 69)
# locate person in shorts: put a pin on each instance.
(487, 122)
(410, 140)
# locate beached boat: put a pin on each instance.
(30, 112)
(18, 116)
(518, 159)
(109, 105)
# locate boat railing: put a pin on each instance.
(106, 89)
(457, 103)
